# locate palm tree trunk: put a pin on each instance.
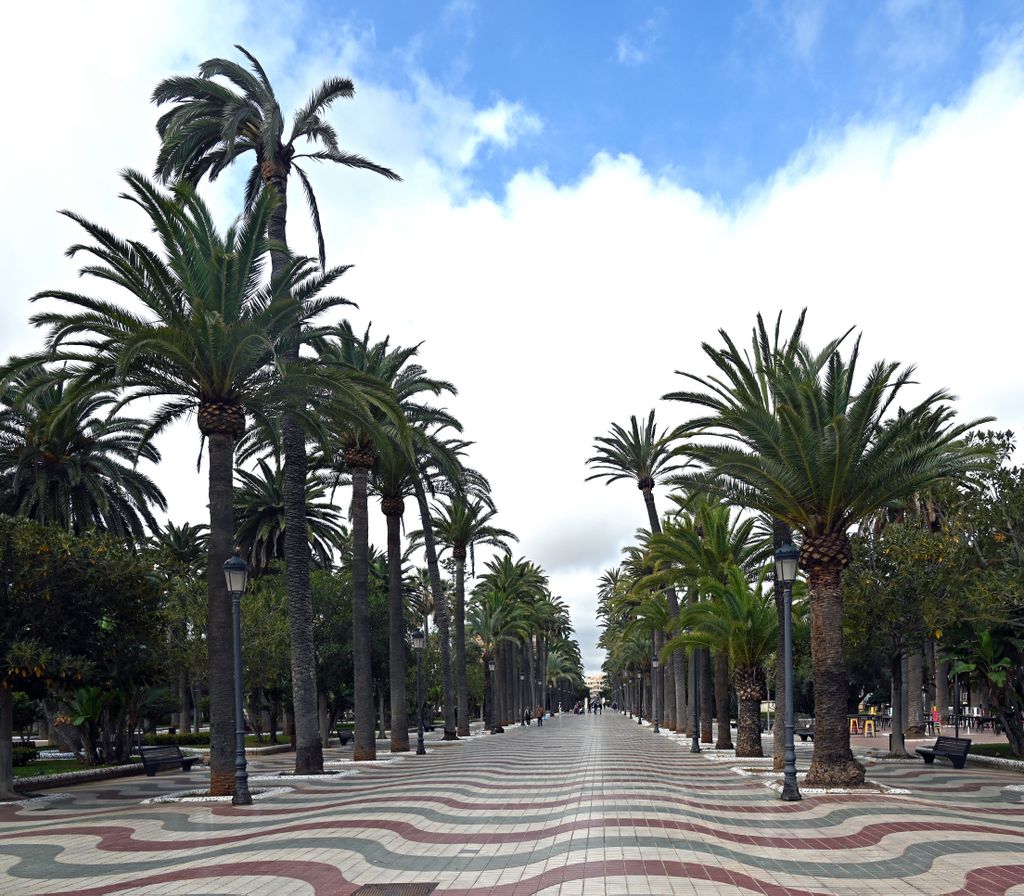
(396, 632)
(724, 741)
(219, 644)
(460, 644)
(897, 743)
(832, 764)
(440, 613)
(748, 713)
(309, 755)
(942, 698)
(707, 684)
(7, 791)
(915, 681)
(364, 735)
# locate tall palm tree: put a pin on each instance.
(260, 517)
(460, 524)
(209, 125)
(205, 342)
(360, 447)
(647, 457)
(703, 541)
(494, 616)
(63, 463)
(740, 622)
(395, 476)
(798, 438)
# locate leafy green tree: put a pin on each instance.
(903, 584)
(208, 126)
(797, 437)
(207, 342)
(75, 611)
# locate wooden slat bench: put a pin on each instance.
(344, 735)
(166, 756)
(954, 749)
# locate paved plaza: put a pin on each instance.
(586, 804)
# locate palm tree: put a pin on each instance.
(646, 457)
(394, 479)
(208, 126)
(738, 621)
(62, 463)
(796, 438)
(495, 617)
(704, 540)
(461, 523)
(360, 447)
(259, 512)
(205, 342)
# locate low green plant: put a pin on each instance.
(24, 755)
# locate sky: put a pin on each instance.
(590, 191)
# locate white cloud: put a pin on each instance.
(563, 307)
(638, 46)
(629, 53)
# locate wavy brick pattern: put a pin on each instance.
(583, 805)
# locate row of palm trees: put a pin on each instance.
(230, 327)
(785, 442)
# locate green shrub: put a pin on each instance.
(202, 739)
(24, 755)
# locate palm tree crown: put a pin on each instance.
(211, 124)
(60, 462)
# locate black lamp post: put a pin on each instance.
(522, 699)
(236, 575)
(495, 727)
(787, 560)
(639, 697)
(655, 692)
(419, 641)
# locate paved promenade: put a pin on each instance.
(583, 805)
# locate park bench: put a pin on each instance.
(952, 748)
(344, 735)
(804, 729)
(167, 756)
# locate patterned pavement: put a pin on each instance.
(583, 805)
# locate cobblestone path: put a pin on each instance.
(586, 804)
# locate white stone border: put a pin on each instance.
(285, 777)
(195, 796)
(35, 800)
(775, 783)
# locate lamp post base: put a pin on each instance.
(790, 792)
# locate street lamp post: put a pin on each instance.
(654, 693)
(787, 560)
(236, 575)
(639, 697)
(419, 641)
(522, 699)
(695, 701)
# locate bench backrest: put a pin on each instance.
(953, 744)
(156, 754)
